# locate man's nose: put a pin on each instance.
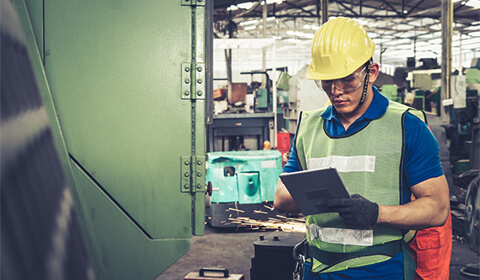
(336, 90)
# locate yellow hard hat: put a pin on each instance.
(340, 47)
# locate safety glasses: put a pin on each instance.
(346, 85)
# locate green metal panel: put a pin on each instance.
(262, 98)
(137, 257)
(35, 10)
(113, 82)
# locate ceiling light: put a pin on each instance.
(472, 3)
(472, 28)
(245, 6)
(362, 21)
(436, 41)
(311, 26)
(248, 22)
(274, 1)
(300, 34)
(293, 40)
(465, 42)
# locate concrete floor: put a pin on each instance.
(461, 255)
(233, 250)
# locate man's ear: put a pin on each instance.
(374, 71)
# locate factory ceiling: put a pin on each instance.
(400, 28)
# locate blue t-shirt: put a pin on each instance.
(421, 163)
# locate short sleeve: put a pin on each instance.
(422, 161)
(292, 163)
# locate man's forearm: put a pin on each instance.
(429, 209)
(283, 201)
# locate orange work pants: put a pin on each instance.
(432, 249)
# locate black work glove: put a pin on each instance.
(357, 211)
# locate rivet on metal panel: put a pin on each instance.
(199, 174)
(186, 165)
(186, 81)
(199, 186)
(199, 162)
(200, 79)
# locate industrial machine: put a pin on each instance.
(127, 106)
(233, 132)
(463, 133)
(242, 170)
(244, 113)
(243, 185)
(472, 225)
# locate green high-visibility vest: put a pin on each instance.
(370, 162)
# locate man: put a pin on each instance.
(384, 153)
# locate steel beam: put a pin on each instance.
(446, 66)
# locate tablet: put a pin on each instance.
(312, 188)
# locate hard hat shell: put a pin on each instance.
(340, 47)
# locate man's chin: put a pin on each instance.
(344, 109)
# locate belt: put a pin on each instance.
(329, 258)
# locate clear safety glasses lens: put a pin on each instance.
(346, 85)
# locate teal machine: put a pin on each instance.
(125, 88)
(242, 185)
